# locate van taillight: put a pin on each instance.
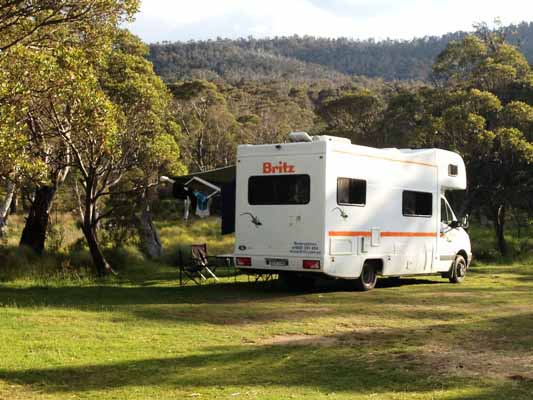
(244, 261)
(311, 264)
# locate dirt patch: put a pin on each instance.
(343, 337)
(299, 340)
(488, 364)
(461, 294)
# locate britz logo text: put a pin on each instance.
(281, 168)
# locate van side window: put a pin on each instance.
(351, 191)
(417, 204)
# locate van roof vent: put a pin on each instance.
(336, 139)
(300, 137)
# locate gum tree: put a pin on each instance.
(35, 104)
(482, 109)
(143, 98)
(44, 23)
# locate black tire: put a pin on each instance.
(367, 280)
(457, 273)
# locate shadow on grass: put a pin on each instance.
(152, 292)
(235, 303)
(240, 303)
(328, 369)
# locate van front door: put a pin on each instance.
(447, 237)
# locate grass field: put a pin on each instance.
(148, 338)
(64, 335)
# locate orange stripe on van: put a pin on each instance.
(332, 233)
(383, 234)
(408, 234)
(388, 159)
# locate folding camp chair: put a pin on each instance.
(199, 266)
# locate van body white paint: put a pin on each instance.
(328, 206)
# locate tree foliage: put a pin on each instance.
(43, 23)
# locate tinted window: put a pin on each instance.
(279, 190)
(444, 216)
(417, 204)
(351, 191)
(453, 170)
(446, 213)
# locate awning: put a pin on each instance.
(224, 178)
(218, 176)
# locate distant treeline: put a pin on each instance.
(310, 58)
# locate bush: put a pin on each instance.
(485, 249)
(21, 263)
(123, 258)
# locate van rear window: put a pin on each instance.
(279, 190)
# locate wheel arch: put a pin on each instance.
(464, 254)
(377, 263)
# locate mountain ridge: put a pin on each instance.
(312, 58)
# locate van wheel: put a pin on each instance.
(368, 278)
(458, 271)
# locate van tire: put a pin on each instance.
(368, 278)
(457, 273)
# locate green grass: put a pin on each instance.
(65, 335)
(149, 338)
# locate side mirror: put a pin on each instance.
(455, 224)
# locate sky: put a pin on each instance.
(183, 20)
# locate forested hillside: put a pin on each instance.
(232, 61)
(310, 58)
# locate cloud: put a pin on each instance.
(161, 20)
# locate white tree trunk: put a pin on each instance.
(150, 240)
(5, 207)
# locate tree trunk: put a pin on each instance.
(499, 224)
(34, 233)
(5, 207)
(148, 234)
(14, 204)
(101, 265)
(89, 213)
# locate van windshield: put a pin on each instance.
(279, 190)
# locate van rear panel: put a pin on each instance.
(280, 206)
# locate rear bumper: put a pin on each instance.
(263, 264)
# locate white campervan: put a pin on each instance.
(321, 205)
